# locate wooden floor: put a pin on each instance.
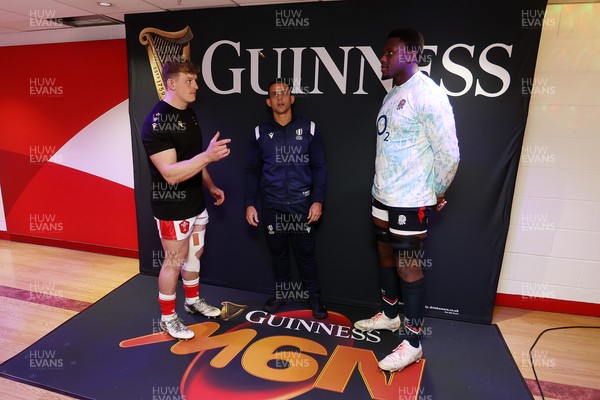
(41, 287)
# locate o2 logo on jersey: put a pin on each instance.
(382, 128)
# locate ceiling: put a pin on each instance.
(43, 21)
(30, 21)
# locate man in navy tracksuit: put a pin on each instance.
(286, 164)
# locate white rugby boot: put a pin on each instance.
(377, 322)
(202, 307)
(175, 327)
(401, 357)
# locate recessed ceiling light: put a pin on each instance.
(86, 21)
(104, 4)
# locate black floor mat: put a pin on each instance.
(114, 350)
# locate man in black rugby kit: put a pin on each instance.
(173, 143)
(286, 163)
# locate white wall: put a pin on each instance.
(553, 248)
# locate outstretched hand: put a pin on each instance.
(217, 149)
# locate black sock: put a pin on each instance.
(388, 280)
(414, 307)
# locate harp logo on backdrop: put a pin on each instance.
(163, 46)
(284, 355)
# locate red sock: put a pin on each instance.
(167, 304)
(192, 289)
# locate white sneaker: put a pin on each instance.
(202, 307)
(175, 327)
(377, 322)
(401, 357)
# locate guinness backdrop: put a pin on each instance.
(483, 55)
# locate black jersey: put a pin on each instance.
(167, 127)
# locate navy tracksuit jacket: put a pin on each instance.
(286, 164)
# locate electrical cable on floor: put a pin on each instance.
(537, 381)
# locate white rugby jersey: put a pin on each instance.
(417, 150)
